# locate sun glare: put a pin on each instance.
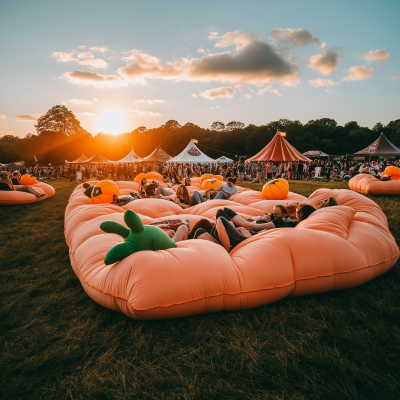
(111, 122)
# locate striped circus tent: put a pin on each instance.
(279, 149)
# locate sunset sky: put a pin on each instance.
(123, 64)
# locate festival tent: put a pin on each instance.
(279, 149)
(315, 153)
(132, 157)
(79, 160)
(192, 155)
(381, 147)
(97, 159)
(224, 159)
(158, 155)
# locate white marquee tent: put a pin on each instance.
(131, 157)
(192, 155)
(224, 159)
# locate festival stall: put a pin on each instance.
(192, 155)
(79, 160)
(131, 157)
(97, 159)
(158, 155)
(315, 154)
(279, 149)
(224, 159)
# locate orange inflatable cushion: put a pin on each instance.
(276, 189)
(28, 180)
(370, 185)
(211, 184)
(13, 198)
(335, 248)
(393, 172)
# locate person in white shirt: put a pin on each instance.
(374, 169)
(364, 169)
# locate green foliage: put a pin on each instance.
(57, 343)
(53, 145)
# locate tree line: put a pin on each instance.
(60, 136)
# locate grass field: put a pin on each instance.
(57, 343)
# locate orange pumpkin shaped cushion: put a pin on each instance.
(211, 184)
(393, 172)
(277, 189)
(139, 178)
(28, 180)
(205, 177)
(104, 191)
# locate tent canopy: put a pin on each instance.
(381, 146)
(315, 153)
(279, 149)
(192, 155)
(131, 157)
(158, 155)
(97, 158)
(224, 159)
(79, 160)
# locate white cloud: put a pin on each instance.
(63, 57)
(237, 38)
(99, 49)
(214, 93)
(79, 101)
(194, 95)
(92, 62)
(243, 88)
(88, 114)
(269, 89)
(146, 113)
(82, 47)
(201, 51)
(376, 55)
(213, 35)
(253, 62)
(248, 96)
(295, 37)
(395, 75)
(326, 62)
(97, 80)
(94, 98)
(28, 117)
(86, 54)
(150, 101)
(330, 91)
(2, 116)
(323, 82)
(7, 132)
(359, 73)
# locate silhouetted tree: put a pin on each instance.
(230, 126)
(218, 126)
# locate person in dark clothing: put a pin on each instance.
(300, 169)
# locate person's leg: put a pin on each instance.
(203, 235)
(228, 236)
(198, 197)
(163, 191)
(31, 190)
(182, 233)
(221, 195)
(204, 224)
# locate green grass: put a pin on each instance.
(57, 343)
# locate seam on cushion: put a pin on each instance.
(223, 294)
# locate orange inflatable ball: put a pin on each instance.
(205, 177)
(28, 180)
(211, 184)
(139, 178)
(219, 177)
(104, 191)
(393, 172)
(277, 189)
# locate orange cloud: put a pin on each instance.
(2, 116)
(376, 55)
(323, 82)
(91, 78)
(28, 117)
(326, 62)
(214, 93)
(295, 37)
(359, 73)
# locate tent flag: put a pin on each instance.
(191, 154)
(279, 149)
(381, 146)
(195, 141)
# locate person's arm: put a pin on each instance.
(222, 190)
(10, 184)
(178, 201)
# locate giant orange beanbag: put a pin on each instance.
(13, 198)
(335, 248)
(370, 185)
(393, 172)
(211, 184)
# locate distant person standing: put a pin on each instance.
(240, 169)
(327, 171)
(300, 170)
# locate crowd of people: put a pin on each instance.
(337, 170)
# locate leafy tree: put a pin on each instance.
(377, 127)
(218, 126)
(230, 126)
(61, 120)
(142, 130)
(352, 126)
(171, 124)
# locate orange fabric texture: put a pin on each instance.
(393, 172)
(368, 184)
(211, 184)
(28, 180)
(13, 198)
(335, 248)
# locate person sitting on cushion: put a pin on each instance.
(152, 190)
(183, 198)
(329, 202)
(188, 182)
(89, 189)
(225, 191)
(7, 185)
(123, 200)
(16, 176)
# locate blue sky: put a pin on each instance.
(125, 64)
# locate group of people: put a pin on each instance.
(8, 180)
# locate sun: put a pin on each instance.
(111, 122)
